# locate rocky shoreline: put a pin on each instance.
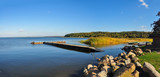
(125, 65)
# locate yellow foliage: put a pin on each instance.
(113, 41)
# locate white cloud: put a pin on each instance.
(21, 30)
(144, 28)
(144, 3)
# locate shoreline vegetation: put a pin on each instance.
(101, 41)
(128, 34)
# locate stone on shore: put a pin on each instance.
(106, 68)
(136, 74)
(113, 64)
(125, 71)
(148, 68)
(138, 64)
(131, 54)
(89, 66)
(127, 48)
(114, 68)
(148, 50)
(110, 57)
(138, 51)
(135, 59)
(102, 74)
(127, 61)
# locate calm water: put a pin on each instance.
(18, 58)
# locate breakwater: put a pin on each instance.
(62, 44)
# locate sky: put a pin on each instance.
(23, 18)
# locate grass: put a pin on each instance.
(153, 58)
(93, 41)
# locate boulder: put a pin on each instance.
(106, 68)
(116, 58)
(85, 71)
(110, 57)
(121, 54)
(139, 68)
(148, 68)
(91, 72)
(127, 48)
(138, 64)
(113, 63)
(102, 74)
(105, 60)
(89, 66)
(104, 57)
(124, 53)
(114, 68)
(125, 71)
(121, 64)
(122, 60)
(136, 74)
(135, 59)
(138, 51)
(127, 61)
(101, 64)
(98, 59)
(131, 54)
(126, 57)
(148, 50)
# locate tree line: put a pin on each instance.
(129, 34)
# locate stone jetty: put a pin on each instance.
(62, 44)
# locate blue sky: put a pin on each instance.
(19, 18)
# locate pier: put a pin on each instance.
(62, 44)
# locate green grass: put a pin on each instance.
(153, 58)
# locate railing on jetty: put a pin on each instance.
(62, 44)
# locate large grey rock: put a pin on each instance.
(138, 64)
(106, 68)
(127, 61)
(121, 64)
(110, 57)
(114, 68)
(131, 54)
(90, 71)
(85, 71)
(124, 53)
(102, 74)
(120, 54)
(113, 63)
(135, 59)
(148, 68)
(89, 66)
(136, 74)
(125, 71)
(128, 48)
(148, 50)
(138, 51)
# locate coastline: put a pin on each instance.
(126, 64)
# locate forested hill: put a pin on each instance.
(130, 34)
